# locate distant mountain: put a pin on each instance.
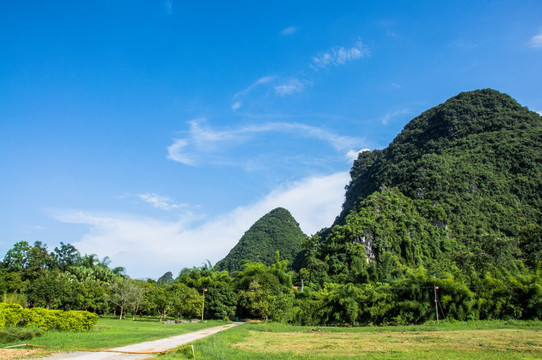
(277, 230)
(461, 185)
(166, 279)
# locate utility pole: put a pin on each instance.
(436, 301)
(203, 303)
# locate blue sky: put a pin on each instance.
(157, 132)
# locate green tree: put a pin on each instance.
(126, 294)
(16, 258)
(66, 256)
(47, 290)
(256, 301)
(220, 298)
(185, 301)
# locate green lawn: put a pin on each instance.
(467, 340)
(108, 333)
(475, 340)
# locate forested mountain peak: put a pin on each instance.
(466, 176)
(465, 114)
(473, 121)
(275, 231)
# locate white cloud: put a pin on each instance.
(240, 95)
(264, 86)
(386, 119)
(203, 142)
(176, 153)
(353, 154)
(236, 105)
(161, 202)
(257, 83)
(289, 87)
(289, 30)
(148, 247)
(536, 41)
(339, 56)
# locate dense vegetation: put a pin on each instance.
(277, 230)
(478, 159)
(447, 215)
(454, 201)
(31, 277)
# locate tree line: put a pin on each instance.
(64, 279)
(357, 294)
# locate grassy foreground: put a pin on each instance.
(474, 340)
(107, 333)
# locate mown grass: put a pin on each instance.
(107, 333)
(472, 340)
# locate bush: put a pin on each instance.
(40, 317)
(59, 320)
(13, 315)
(10, 314)
(77, 320)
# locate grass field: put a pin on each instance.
(107, 333)
(477, 340)
(472, 340)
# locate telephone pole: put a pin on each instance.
(203, 303)
(436, 301)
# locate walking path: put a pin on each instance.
(148, 346)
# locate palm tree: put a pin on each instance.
(90, 260)
(119, 270)
(106, 261)
(207, 266)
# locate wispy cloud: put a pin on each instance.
(289, 87)
(536, 41)
(170, 245)
(161, 202)
(289, 30)
(353, 155)
(339, 56)
(176, 152)
(202, 142)
(389, 116)
(268, 85)
(240, 95)
(256, 84)
(236, 105)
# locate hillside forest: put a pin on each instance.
(446, 220)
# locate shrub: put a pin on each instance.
(57, 319)
(10, 314)
(77, 320)
(40, 317)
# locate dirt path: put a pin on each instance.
(148, 346)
